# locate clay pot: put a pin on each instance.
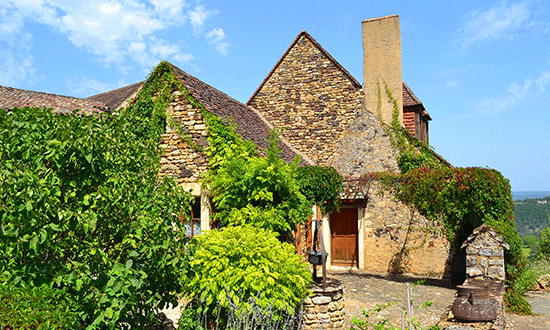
(475, 304)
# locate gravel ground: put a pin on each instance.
(540, 302)
(365, 290)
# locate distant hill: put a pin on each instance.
(529, 194)
(531, 215)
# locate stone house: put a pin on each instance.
(330, 119)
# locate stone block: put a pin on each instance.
(320, 300)
(496, 261)
(470, 250)
(484, 262)
(486, 252)
(496, 272)
(474, 271)
(471, 260)
(333, 306)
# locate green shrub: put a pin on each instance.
(544, 242)
(249, 189)
(235, 264)
(36, 308)
(82, 206)
(321, 185)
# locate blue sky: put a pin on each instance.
(482, 69)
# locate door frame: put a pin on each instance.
(360, 234)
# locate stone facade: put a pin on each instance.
(324, 309)
(400, 240)
(181, 159)
(485, 254)
(311, 97)
(321, 107)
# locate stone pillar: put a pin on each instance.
(324, 309)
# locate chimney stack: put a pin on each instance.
(382, 65)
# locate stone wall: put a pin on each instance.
(400, 240)
(324, 309)
(181, 157)
(311, 97)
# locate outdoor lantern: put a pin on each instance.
(315, 257)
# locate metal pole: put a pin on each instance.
(409, 307)
(323, 253)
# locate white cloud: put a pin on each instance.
(84, 87)
(499, 22)
(114, 30)
(198, 16)
(17, 62)
(515, 93)
(215, 37)
(451, 84)
(542, 81)
(184, 58)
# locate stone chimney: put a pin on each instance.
(382, 65)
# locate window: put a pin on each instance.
(193, 225)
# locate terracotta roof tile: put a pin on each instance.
(249, 123)
(113, 99)
(18, 98)
(410, 100)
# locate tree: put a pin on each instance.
(83, 209)
(249, 189)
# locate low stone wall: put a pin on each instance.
(324, 309)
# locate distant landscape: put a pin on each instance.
(529, 194)
(531, 212)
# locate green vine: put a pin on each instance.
(459, 198)
(411, 152)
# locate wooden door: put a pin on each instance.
(344, 230)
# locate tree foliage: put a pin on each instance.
(531, 215)
(235, 264)
(250, 189)
(322, 185)
(82, 208)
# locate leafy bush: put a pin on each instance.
(249, 189)
(544, 243)
(82, 206)
(322, 186)
(36, 308)
(234, 264)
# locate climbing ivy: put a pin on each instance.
(459, 198)
(411, 152)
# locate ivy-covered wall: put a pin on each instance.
(184, 158)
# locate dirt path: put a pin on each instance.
(366, 290)
(540, 302)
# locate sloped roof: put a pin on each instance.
(18, 98)
(321, 49)
(250, 124)
(409, 100)
(113, 99)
